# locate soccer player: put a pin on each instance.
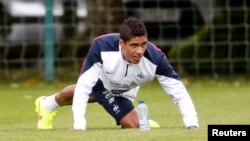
(114, 69)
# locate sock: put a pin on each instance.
(50, 103)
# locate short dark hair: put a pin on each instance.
(132, 27)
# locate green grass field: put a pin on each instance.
(224, 101)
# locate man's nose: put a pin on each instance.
(140, 50)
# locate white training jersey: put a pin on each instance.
(104, 66)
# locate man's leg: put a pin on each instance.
(120, 108)
(45, 105)
(130, 120)
(65, 97)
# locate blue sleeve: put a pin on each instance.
(93, 56)
(164, 68)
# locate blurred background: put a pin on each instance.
(45, 39)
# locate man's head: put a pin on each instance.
(133, 39)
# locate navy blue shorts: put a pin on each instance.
(116, 106)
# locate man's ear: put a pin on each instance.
(121, 42)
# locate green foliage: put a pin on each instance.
(185, 49)
(222, 101)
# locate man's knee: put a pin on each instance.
(65, 97)
(130, 120)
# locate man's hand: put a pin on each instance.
(193, 127)
(77, 130)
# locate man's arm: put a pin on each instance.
(81, 95)
(172, 85)
(182, 99)
(88, 78)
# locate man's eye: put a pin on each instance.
(133, 46)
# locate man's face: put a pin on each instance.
(134, 49)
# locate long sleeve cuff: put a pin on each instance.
(79, 122)
(191, 121)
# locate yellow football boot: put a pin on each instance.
(45, 118)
